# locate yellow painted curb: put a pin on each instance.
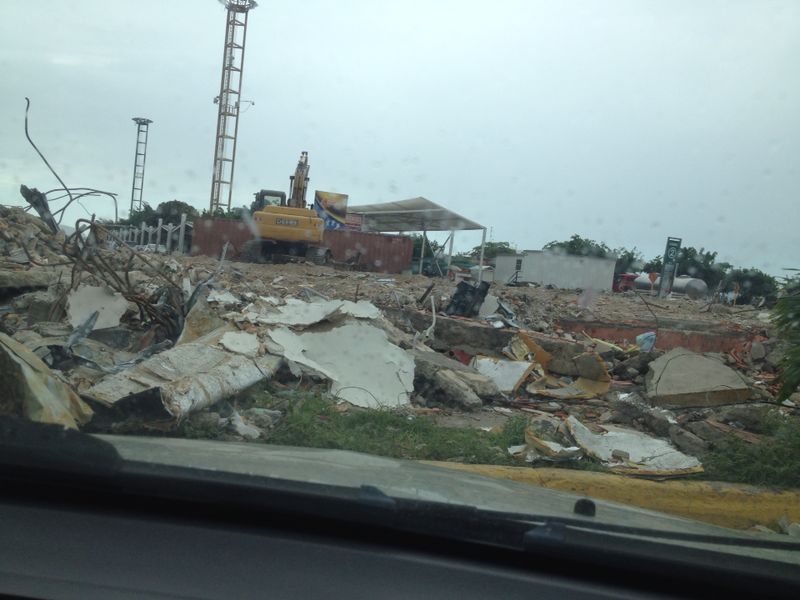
(726, 504)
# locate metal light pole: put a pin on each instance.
(142, 127)
(228, 102)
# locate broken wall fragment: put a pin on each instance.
(630, 452)
(364, 368)
(682, 378)
(32, 390)
(189, 377)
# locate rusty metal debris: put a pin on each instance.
(84, 248)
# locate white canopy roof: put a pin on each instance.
(414, 214)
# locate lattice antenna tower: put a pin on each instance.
(228, 102)
(142, 128)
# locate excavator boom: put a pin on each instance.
(299, 183)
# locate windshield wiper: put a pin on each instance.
(555, 529)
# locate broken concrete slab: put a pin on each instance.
(167, 387)
(364, 368)
(81, 303)
(638, 361)
(749, 416)
(773, 358)
(758, 351)
(591, 366)
(442, 380)
(98, 354)
(508, 375)
(476, 337)
(53, 329)
(361, 309)
(32, 390)
(628, 407)
(428, 363)
(649, 456)
(450, 389)
(61, 352)
(200, 320)
(41, 305)
(223, 297)
(299, 313)
(581, 388)
(682, 378)
(551, 449)
(687, 442)
(707, 433)
(240, 342)
(482, 385)
(31, 279)
(489, 306)
(296, 313)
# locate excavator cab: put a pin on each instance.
(268, 198)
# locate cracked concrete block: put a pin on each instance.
(706, 432)
(591, 366)
(687, 442)
(453, 390)
(681, 378)
(758, 351)
(482, 385)
(85, 300)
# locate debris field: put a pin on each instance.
(114, 340)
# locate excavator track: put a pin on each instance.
(253, 252)
(318, 255)
(262, 251)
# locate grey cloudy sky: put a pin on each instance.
(624, 121)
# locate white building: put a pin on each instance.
(560, 270)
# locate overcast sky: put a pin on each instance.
(623, 121)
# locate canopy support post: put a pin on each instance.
(480, 264)
(450, 249)
(422, 252)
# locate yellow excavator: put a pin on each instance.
(287, 229)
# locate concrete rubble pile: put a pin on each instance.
(636, 409)
(25, 238)
(112, 340)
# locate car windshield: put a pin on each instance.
(548, 242)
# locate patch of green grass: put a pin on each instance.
(773, 462)
(198, 430)
(312, 421)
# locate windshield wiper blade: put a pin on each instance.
(551, 527)
(558, 529)
(539, 528)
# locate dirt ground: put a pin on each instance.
(536, 307)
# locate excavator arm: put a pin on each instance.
(299, 183)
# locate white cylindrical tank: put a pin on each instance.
(691, 286)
